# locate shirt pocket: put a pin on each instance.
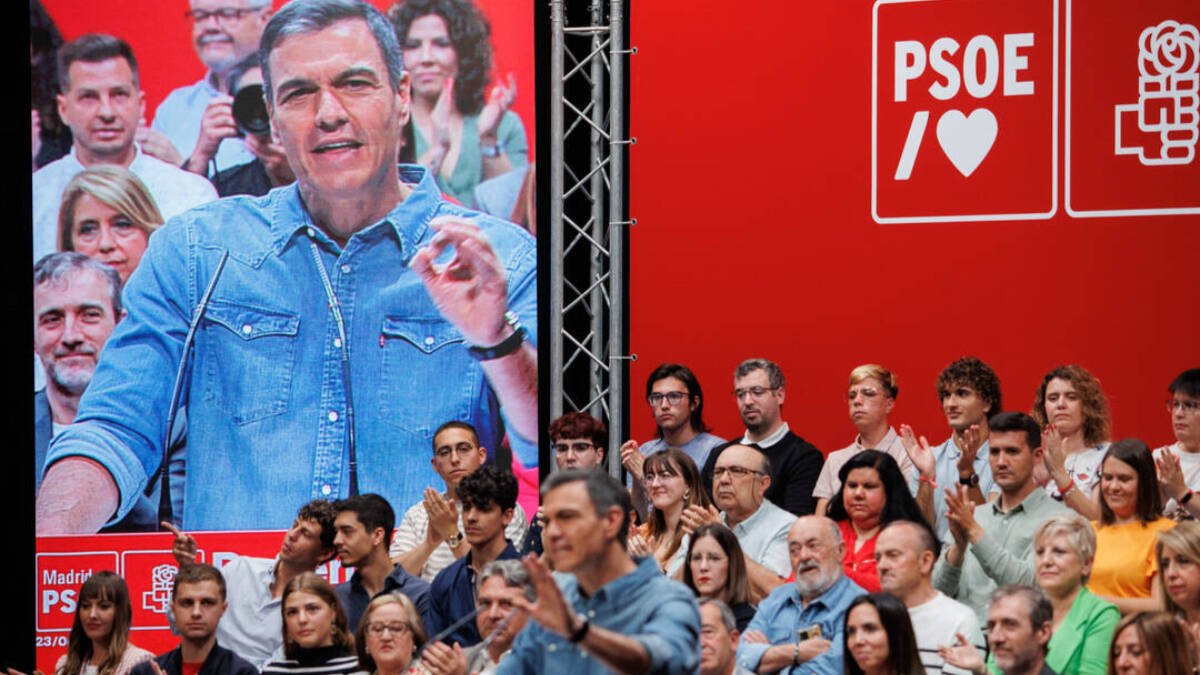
(428, 378)
(251, 355)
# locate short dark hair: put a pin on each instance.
(774, 372)
(926, 539)
(897, 625)
(1018, 421)
(1187, 382)
(309, 16)
(685, 375)
(580, 425)
(194, 574)
(372, 511)
(604, 491)
(93, 48)
(471, 36)
(322, 512)
(486, 486)
(899, 503)
(56, 267)
(1041, 612)
(975, 374)
(1136, 454)
(737, 580)
(453, 424)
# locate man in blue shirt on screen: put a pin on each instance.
(337, 321)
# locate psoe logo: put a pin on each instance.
(158, 598)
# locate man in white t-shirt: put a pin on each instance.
(429, 537)
(1179, 463)
(871, 396)
(906, 552)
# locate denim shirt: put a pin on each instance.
(266, 393)
(781, 614)
(661, 614)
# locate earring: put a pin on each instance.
(687, 497)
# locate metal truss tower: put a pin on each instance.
(588, 222)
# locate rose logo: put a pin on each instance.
(1170, 48)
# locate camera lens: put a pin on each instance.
(250, 112)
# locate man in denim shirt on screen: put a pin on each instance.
(355, 311)
(798, 627)
(606, 611)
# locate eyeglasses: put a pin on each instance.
(577, 448)
(651, 476)
(398, 629)
(222, 13)
(756, 392)
(462, 451)
(865, 393)
(734, 471)
(672, 397)
(1187, 406)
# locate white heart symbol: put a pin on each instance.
(967, 139)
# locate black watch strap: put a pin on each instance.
(969, 481)
(506, 346)
(581, 632)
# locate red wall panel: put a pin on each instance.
(751, 184)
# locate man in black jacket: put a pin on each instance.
(759, 389)
(198, 600)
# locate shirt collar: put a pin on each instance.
(625, 586)
(825, 600)
(1031, 501)
(885, 442)
(409, 219)
(769, 440)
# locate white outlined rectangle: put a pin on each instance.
(1097, 213)
(72, 554)
(975, 217)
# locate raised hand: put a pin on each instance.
(631, 459)
(550, 608)
(970, 441)
(443, 516)
(960, 514)
(155, 144)
(694, 516)
(1170, 475)
(962, 654)
(500, 99)
(440, 659)
(638, 546)
(919, 452)
(184, 547)
(470, 290)
(1053, 456)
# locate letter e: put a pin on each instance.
(1014, 62)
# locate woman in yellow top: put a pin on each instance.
(1130, 520)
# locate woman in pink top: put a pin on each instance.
(99, 642)
(873, 494)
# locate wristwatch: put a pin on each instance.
(507, 346)
(969, 481)
(454, 541)
(491, 151)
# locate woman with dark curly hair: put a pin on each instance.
(463, 134)
(1073, 410)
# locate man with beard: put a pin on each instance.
(194, 124)
(759, 389)
(1020, 623)
(813, 609)
(76, 305)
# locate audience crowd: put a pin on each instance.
(1024, 543)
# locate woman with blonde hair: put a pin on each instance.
(1179, 571)
(107, 213)
(316, 638)
(1072, 408)
(1064, 546)
(99, 640)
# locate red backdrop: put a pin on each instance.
(751, 184)
(161, 41)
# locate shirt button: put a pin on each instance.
(591, 613)
(337, 342)
(553, 647)
(429, 340)
(325, 490)
(247, 329)
(345, 269)
(333, 416)
(309, 232)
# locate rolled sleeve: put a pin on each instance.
(750, 655)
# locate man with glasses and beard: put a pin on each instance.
(814, 607)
